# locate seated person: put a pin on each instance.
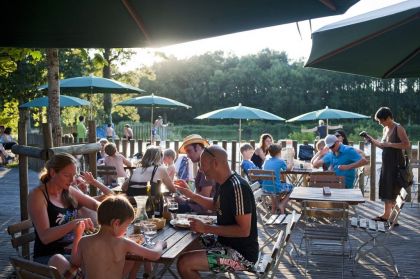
(193, 146)
(236, 247)
(320, 144)
(150, 169)
(261, 152)
(116, 160)
(278, 165)
(100, 156)
(102, 255)
(6, 139)
(343, 159)
(247, 150)
(169, 156)
(53, 205)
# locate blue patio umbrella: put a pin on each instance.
(65, 101)
(326, 114)
(240, 112)
(152, 101)
(92, 84)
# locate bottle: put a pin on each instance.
(150, 209)
(158, 199)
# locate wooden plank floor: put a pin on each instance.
(404, 243)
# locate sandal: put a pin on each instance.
(380, 219)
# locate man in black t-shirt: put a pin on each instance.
(236, 247)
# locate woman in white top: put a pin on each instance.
(150, 169)
(116, 160)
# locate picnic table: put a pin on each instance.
(350, 196)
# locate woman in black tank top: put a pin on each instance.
(258, 157)
(53, 207)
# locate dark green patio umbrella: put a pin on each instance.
(384, 43)
(128, 23)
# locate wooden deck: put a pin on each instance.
(404, 243)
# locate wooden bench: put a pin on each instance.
(22, 235)
(26, 269)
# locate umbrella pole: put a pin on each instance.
(151, 127)
(328, 132)
(240, 134)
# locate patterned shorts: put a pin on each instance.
(74, 273)
(222, 258)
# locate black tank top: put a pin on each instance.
(57, 216)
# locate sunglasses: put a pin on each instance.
(209, 152)
(338, 135)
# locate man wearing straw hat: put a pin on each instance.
(193, 145)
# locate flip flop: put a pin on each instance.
(380, 219)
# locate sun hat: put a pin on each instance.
(330, 140)
(194, 138)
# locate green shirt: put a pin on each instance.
(81, 130)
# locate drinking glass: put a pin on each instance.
(149, 231)
(173, 208)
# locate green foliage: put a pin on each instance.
(9, 116)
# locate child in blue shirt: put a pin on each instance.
(247, 150)
(281, 188)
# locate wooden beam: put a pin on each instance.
(75, 149)
(29, 151)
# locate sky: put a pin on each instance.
(284, 37)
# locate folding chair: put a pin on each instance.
(26, 269)
(326, 224)
(414, 189)
(22, 235)
(378, 232)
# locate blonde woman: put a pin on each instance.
(150, 169)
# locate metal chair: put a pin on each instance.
(379, 233)
(414, 189)
(26, 269)
(326, 224)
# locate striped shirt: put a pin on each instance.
(234, 197)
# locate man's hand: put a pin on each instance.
(344, 167)
(197, 225)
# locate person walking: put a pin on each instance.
(394, 140)
(81, 129)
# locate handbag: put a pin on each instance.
(306, 152)
(405, 174)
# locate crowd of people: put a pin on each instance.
(56, 207)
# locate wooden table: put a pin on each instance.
(177, 241)
(350, 196)
(299, 177)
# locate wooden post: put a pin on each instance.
(252, 142)
(132, 143)
(92, 155)
(176, 146)
(167, 144)
(140, 146)
(46, 130)
(372, 172)
(295, 145)
(215, 142)
(418, 170)
(305, 142)
(157, 143)
(124, 147)
(233, 163)
(23, 174)
(362, 175)
(283, 143)
(117, 144)
(224, 144)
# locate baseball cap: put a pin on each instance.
(330, 140)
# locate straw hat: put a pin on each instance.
(190, 140)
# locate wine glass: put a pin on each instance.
(149, 231)
(173, 208)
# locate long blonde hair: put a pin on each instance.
(152, 157)
(57, 163)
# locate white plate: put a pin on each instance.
(183, 225)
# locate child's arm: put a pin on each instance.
(126, 161)
(75, 251)
(92, 181)
(152, 254)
